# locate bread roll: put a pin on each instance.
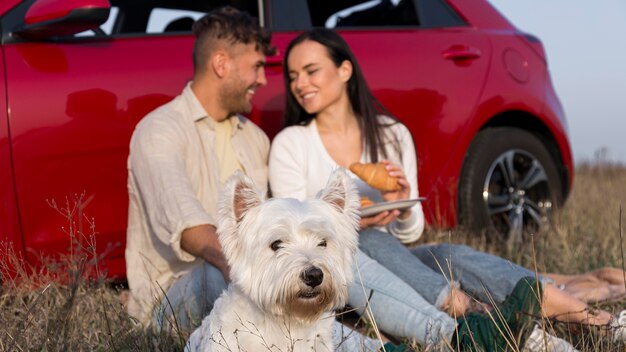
(376, 176)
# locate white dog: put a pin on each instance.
(290, 265)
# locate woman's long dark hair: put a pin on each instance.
(365, 106)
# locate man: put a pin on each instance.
(179, 156)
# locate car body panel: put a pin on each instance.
(9, 221)
(7, 5)
(79, 142)
(504, 95)
(435, 104)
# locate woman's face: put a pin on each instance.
(315, 81)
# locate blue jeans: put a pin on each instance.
(190, 298)
(483, 275)
(430, 269)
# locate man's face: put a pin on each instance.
(246, 74)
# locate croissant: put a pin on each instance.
(366, 202)
(376, 176)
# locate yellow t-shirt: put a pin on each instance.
(224, 150)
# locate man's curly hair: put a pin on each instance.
(228, 23)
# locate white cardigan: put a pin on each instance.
(300, 165)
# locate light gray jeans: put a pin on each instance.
(396, 307)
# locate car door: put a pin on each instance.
(421, 60)
(74, 103)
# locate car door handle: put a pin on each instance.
(461, 52)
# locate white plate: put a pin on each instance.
(398, 204)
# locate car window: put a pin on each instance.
(171, 20)
(160, 20)
(437, 13)
(136, 17)
(372, 13)
(382, 13)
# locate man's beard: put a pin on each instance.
(234, 98)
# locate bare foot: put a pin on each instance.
(457, 303)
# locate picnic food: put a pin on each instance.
(376, 176)
(366, 202)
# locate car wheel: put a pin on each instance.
(509, 184)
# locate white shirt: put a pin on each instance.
(300, 166)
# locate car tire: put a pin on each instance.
(509, 184)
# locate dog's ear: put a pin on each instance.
(341, 192)
(239, 196)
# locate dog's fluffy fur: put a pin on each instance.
(290, 265)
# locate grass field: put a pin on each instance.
(61, 311)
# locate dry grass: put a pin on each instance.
(65, 304)
(61, 309)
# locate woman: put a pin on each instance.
(333, 120)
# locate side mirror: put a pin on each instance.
(52, 18)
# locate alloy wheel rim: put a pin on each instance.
(517, 194)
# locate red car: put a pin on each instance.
(78, 75)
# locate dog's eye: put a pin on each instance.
(322, 244)
(276, 245)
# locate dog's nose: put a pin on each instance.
(312, 276)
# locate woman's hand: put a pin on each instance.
(379, 220)
(405, 188)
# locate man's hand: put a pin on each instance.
(202, 241)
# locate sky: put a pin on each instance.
(585, 42)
